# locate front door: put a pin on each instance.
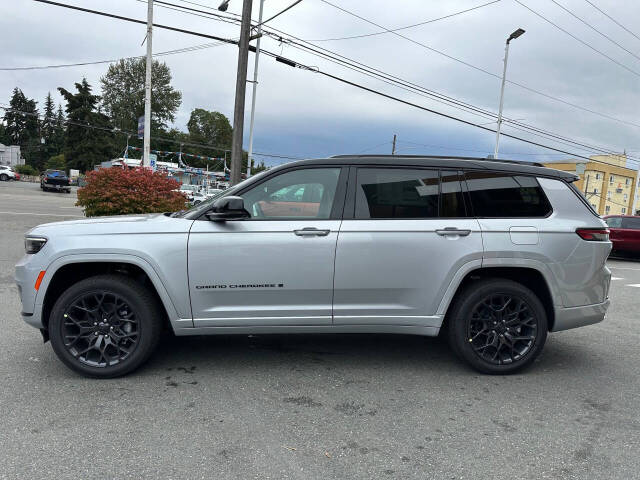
(277, 267)
(409, 233)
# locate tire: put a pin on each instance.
(133, 325)
(4, 177)
(477, 330)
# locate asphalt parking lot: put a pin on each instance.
(313, 406)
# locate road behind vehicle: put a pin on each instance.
(494, 254)
(8, 173)
(55, 180)
(625, 233)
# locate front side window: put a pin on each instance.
(502, 195)
(299, 194)
(396, 193)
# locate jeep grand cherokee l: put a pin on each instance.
(494, 254)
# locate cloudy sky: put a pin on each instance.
(305, 114)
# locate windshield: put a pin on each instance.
(195, 211)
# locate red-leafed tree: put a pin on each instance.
(114, 191)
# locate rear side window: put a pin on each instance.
(629, 222)
(451, 196)
(501, 195)
(397, 193)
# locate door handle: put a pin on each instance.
(311, 232)
(451, 231)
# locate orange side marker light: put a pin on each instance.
(39, 280)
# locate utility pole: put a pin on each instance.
(393, 148)
(513, 36)
(147, 88)
(253, 93)
(241, 87)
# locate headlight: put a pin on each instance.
(34, 244)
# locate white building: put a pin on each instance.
(10, 155)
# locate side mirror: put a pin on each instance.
(227, 208)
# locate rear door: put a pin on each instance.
(630, 233)
(404, 235)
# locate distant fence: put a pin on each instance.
(30, 178)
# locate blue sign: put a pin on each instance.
(141, 127)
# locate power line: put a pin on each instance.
(98, 62)
(316, 70)
(125, 132)
(612, 19)
(279, 13)
(578, 39)
(406, 27)
(595, 29)
(480, 69)
(603, 115)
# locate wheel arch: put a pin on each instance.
(529, 276)
(69, 270)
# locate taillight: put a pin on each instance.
(594, 234)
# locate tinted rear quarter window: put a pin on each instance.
(614, 222)
(501, 195)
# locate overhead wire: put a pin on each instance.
(354, 84)
(609, 17)
(595, 29)
(591, 47)
(405, 27)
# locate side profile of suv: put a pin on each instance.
(494, 254)
(8, 173)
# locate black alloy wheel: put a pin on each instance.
(105, 326)
(502, 329)
(497, 326)
(100, 329)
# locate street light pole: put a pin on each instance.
(253, 93)
(241, 88)
(147, 89)
(513, 36)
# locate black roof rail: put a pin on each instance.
(441, 157)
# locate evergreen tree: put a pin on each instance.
(23, 127)
(85, 146)
(48, 129)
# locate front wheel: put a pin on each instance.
(497, 326)
(4, 177)
(105, 326)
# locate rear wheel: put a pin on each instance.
(4, 177)
(105, 326)
(497, 326)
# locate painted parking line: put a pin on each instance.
(635, 285)
(617, 278)
(41, 214)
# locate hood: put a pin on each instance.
(118, 224)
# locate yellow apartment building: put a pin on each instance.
(610, 186)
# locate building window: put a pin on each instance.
(624, 210)
(594, 207)
(595, 190)
(626, 197)
(608, 195)
(607, 209)
(597, 176)
(610, 178)
(627, 181)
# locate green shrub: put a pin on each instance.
(25, 170)
(56, 162)
(114, 191)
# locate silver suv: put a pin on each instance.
(493, 254)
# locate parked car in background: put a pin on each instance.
(55, 180)
(625, 233)
(188, 191)
(496, 254)
(8, 173)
